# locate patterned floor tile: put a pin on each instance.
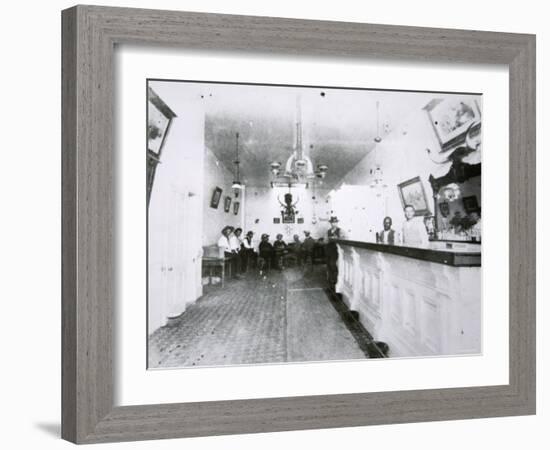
(281, 317)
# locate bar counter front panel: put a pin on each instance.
(420, 301)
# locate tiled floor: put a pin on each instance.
(283, 317)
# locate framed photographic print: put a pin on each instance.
(412, 193)
(444, 209)
(159, 117)
(227, 203)
(452, 118)
(121, 331)
(216, 196)
(236, 207)
(470, 203)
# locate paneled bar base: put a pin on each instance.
(420, 301)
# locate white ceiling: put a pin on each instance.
(339, 125)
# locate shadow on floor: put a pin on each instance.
(53, 429)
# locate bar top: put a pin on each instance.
(451, 254)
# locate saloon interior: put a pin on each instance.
(329, 165)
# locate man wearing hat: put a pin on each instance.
(236, 243)
(225, 245)
(307, 248)
(266, 253)
(331, 251)
(280, 248)
(224, 241)
(249, 255)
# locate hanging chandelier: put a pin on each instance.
(377, 174)
(237, 185)
(298, 168)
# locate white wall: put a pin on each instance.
(217, 175)
(175, 210)
(401, 155)
(31, 262)
(262, 205)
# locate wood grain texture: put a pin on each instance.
(89, 36)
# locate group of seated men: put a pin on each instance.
(244, 252)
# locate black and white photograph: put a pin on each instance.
(354, 233)
(265, 225)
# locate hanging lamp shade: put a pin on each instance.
(237, 182)
(298, 169)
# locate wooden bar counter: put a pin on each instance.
(420, 301)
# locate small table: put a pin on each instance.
(211, 262)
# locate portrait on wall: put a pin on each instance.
(444, 209)
(159, 116)
(236, 206)
(227, 203)
(216, 196)
(412, 193)
(452, 117)
(470, 203)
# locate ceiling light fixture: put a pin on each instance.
(237, 185)
(298, 168)
(377, 174)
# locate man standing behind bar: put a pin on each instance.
(414, 231)
(331, 251)
(387, 235)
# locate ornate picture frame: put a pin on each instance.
(216, 196)
(159, 119)
(470, 203)
(411, 192)
(89, 36)
(451, 120)
(227, 203)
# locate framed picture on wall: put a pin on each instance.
(444, 209)
(236, 207)
(216, 195)
(227, 203)
(412, 193)
(276, 220)
(470, 203)
(159, 118)
(452, 118)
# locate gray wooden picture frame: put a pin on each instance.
(89, 34)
